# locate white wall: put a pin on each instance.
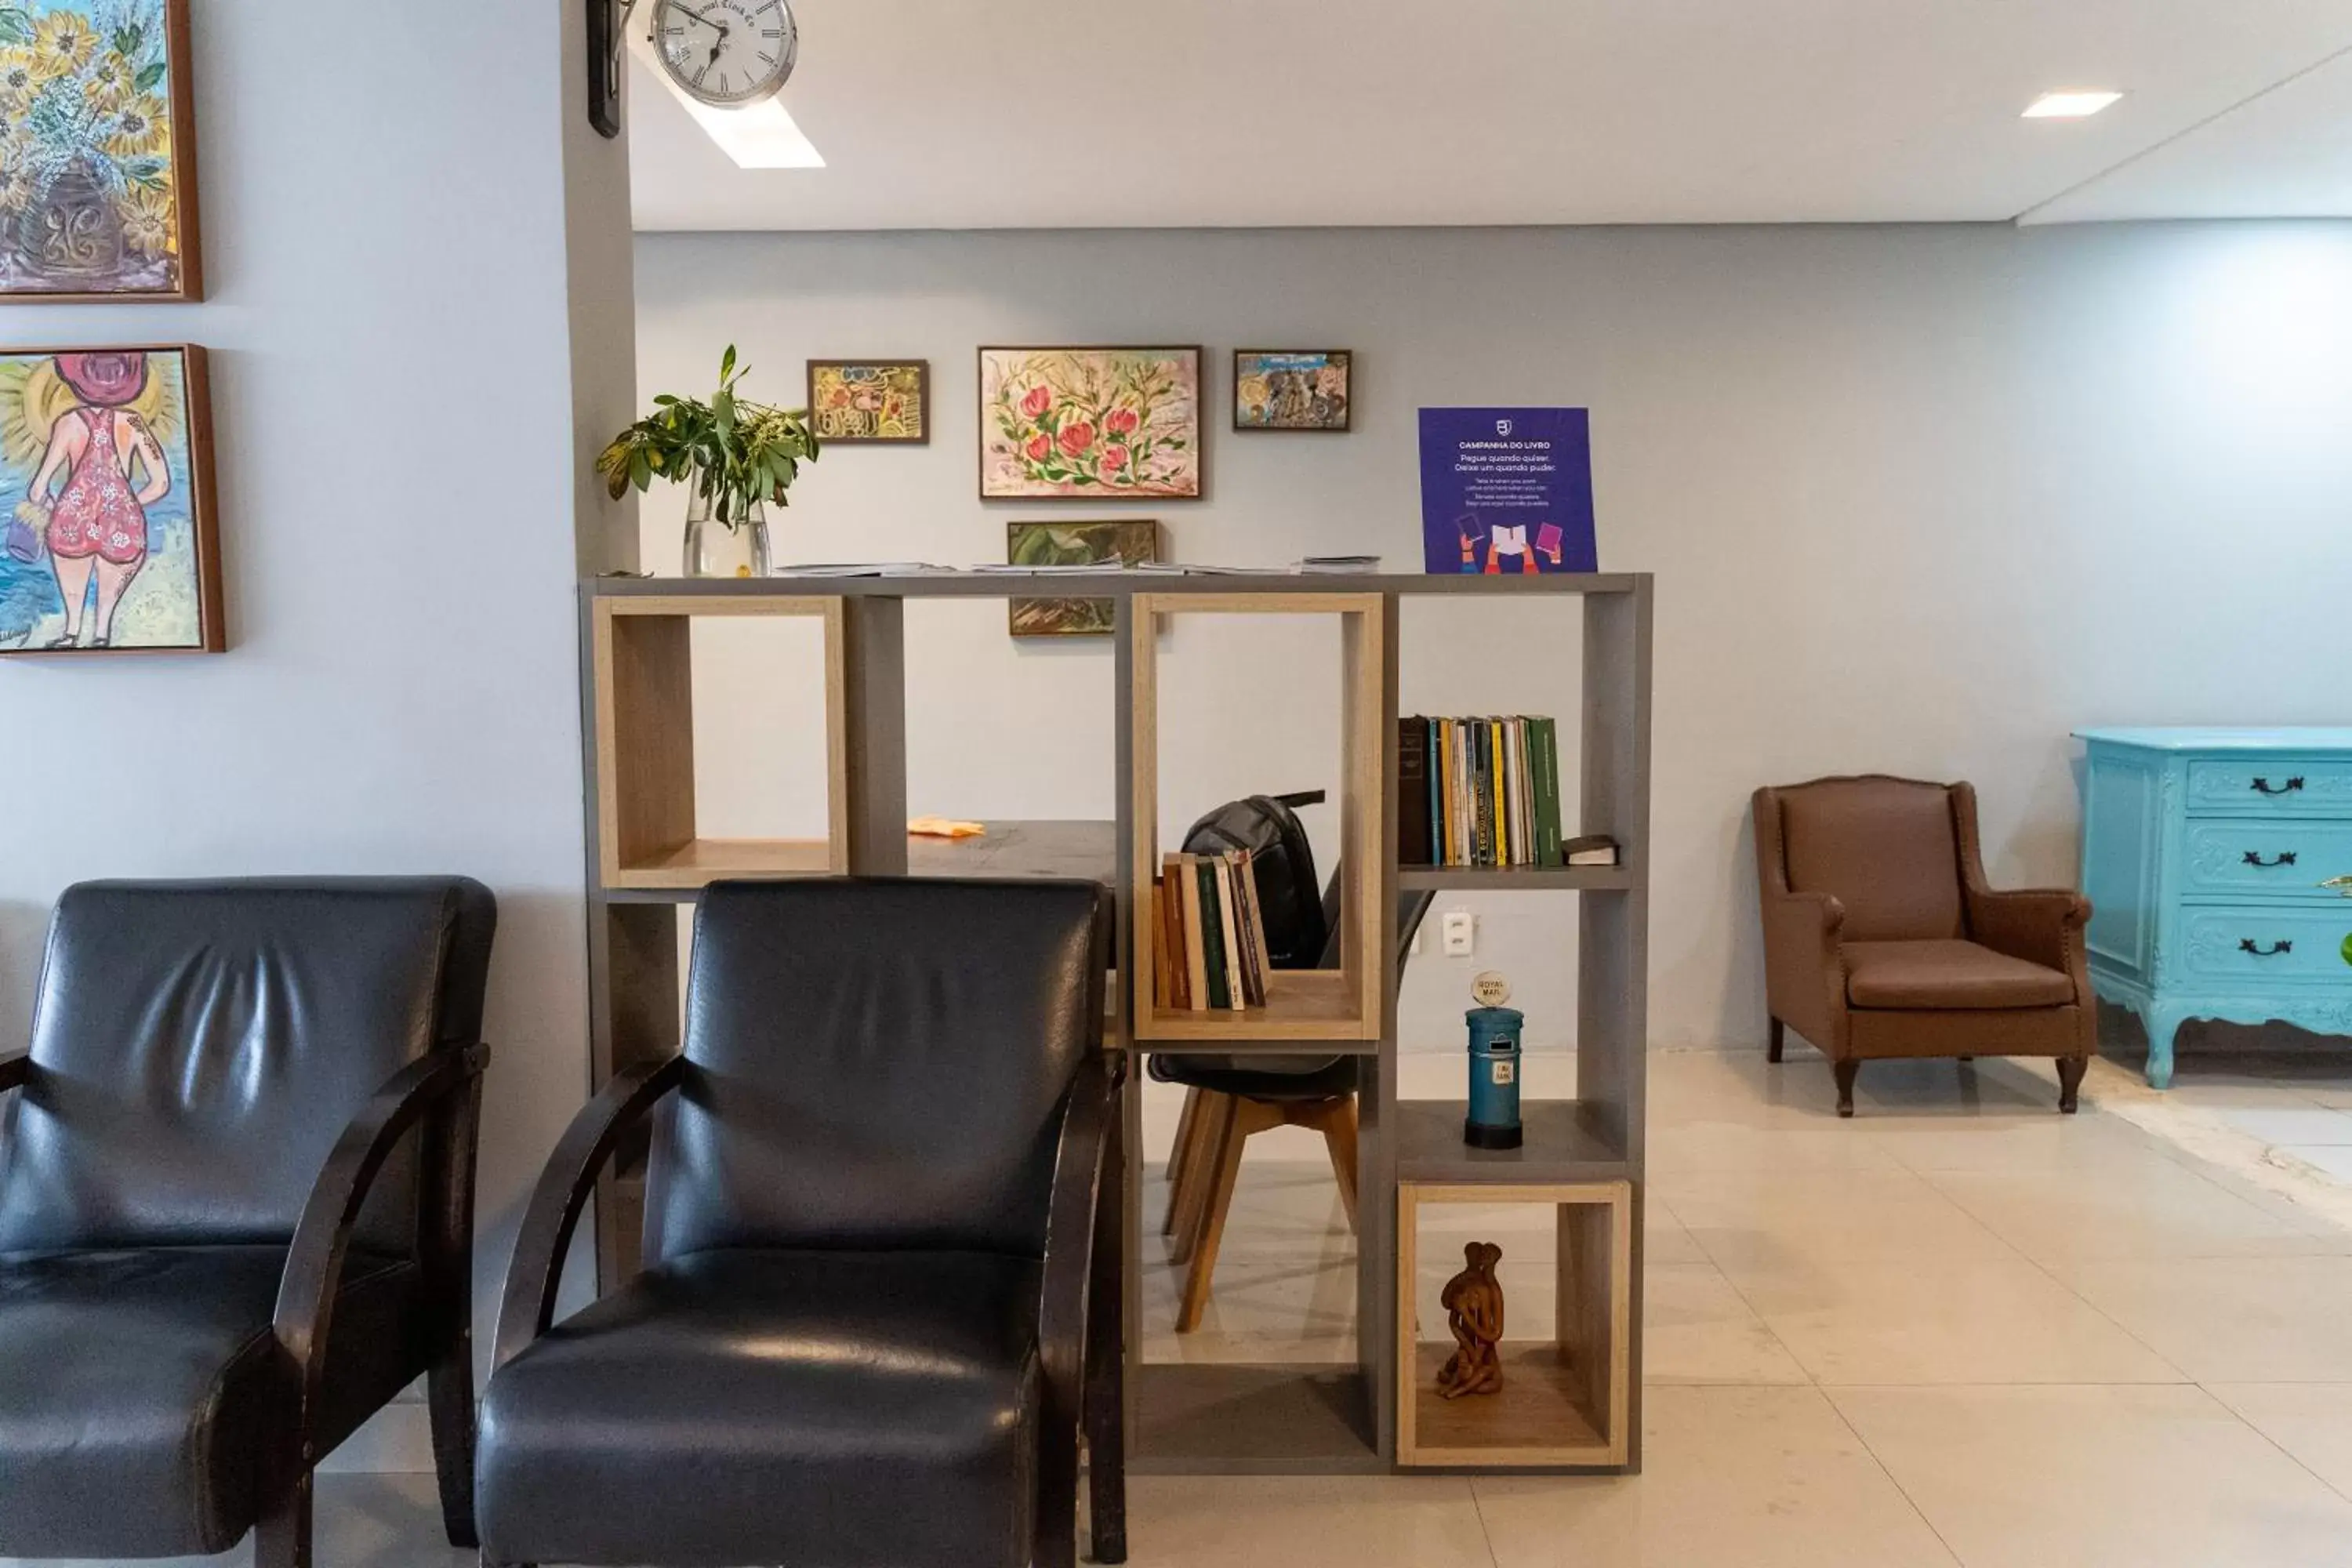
(393, 366)
(1918, 500)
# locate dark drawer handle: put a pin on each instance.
(2284, 857)
(2247, 945)
(2263, 787)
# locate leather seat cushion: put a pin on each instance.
(761, 1406)
(1943, 974)
(141, 1391)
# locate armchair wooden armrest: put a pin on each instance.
(1082, 1298)
(436, 1084)
(565, 1186)
(16, 1072)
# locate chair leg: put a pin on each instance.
(1179, 1158)
(1247, 1117)
(1106, 1372)
(1218, 1113)
(1845, 1071)
(450, 1388)
(282, 1538)
(1773, 1038)
(1056, 1536)
(1335, 1119)
(2070, 1079)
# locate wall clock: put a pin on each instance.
(728, 53)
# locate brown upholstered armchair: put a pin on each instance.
(1880, 938)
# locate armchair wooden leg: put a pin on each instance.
(282, 1539)
(1106, 1374)
(451, 1387)
(1845, 1071)
(2070, 1079)
(1774, 1036)
(1056, 1536)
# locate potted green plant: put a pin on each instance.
(736, 455)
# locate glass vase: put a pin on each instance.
(734, 549)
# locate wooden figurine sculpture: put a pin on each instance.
(1472, 1300)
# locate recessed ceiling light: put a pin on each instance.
(2079, 104)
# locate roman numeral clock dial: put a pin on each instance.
(727, 53)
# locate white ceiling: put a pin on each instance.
(1051, 113)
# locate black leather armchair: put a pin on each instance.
(882, 1292)
(236, 1201)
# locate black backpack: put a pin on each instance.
(1297, 922)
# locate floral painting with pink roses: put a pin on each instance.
(1096, 423)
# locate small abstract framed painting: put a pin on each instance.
(1090, 424)
(1292, 389)
(107, 536)
(97, 152)
(870, 402)
(1129, 541)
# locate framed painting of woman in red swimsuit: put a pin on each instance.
(107, 539)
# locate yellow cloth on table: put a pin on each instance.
(941, 827)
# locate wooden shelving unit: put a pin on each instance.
(647, 860)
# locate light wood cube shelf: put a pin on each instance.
(642, 690)
(1333, 1004)
(1566, 1403)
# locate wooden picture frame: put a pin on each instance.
(1318, 360)
(1090, 399)
(181, 579)
(1074, 614)
(108, 227)
(921, 392)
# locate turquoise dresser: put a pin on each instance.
(2206, 856)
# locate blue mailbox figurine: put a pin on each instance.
(1494, 1119)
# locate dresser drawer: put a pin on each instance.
(2263, 787)
(2257, 943)
(2272, 859)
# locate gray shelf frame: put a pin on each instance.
(1330, 1419)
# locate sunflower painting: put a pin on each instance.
(97, 152)
(106, 526)
(1094, 424)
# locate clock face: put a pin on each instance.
(727, 52)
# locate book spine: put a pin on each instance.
(1541, 763)
(1212, 940)
(1484, 734)
(1196, 975)
(1495, 787)
(1441, 805)
(1229, 927)
(1261, 960)
(1551, 829)
(1512, 765)
(1435, 804)
(1524, 794)
(1412, 791)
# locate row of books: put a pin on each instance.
(1211, 950)
(1484, 791)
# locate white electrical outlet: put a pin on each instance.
(1461, 929)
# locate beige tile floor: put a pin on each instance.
(1959, 1329)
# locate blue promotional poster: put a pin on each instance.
(1506, 489)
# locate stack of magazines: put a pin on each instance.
(1210, 948)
